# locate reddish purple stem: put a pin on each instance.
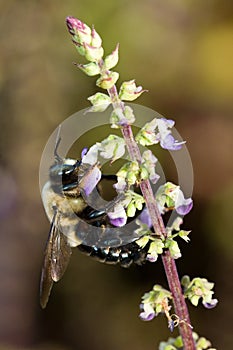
(169, 264)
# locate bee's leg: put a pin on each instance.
(96, 214)
(93, 216)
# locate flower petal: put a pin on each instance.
(152, 257)
(185, 207)
(90, 179)
(170, 143)
(144, 217)
(118, 216)
(147, 317)
(84, 152)
(91, 156)
(211, 304)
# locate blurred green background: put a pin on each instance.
(182, 52)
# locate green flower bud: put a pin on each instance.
(129, 91)
(107, 81)
(131, 210)
(90, 69)
(203, 343)
(145, 137)
(149, 162)
(121, 117)
(84, 37)
(134, 166)
(174, 248)
(185, 280)
(144, 175)
(96, 40)
(129, 114)
(171, 190)
(178, 342)
(139, 204)
(122, 172)
(80, 32)
(81, 50)
(142, 242)
(114, 118)
(117, 116)
(131, 177)
(93, 54)
(99, 101)
(112, 59)
(156, 247)
(113, 147)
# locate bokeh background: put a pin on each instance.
(182, 52)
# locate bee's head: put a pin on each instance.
(64, 174)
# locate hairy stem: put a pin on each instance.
(160, 230)
(179, 303)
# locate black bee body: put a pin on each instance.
(124, 255)
(64, 204)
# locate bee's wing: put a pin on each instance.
(56, 258)
(61, 252)
(46, 281)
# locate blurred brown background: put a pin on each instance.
(182, 52)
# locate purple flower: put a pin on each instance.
(147, 316)
(168, 122)
(170, 143)
(91, 156)
(211, 304)
(90, 179)
(158, 131)
(152, 258)
(144, 217)
(118, 216)
(185, 207)
(171, 196)
(120, 185)
(182, 205)
(84, 152)
(148, 312)
(167, 141)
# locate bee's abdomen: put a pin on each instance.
(124, 255)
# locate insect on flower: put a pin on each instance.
(75, 223)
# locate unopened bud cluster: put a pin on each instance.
(89, 44)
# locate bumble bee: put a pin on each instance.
(72, 220)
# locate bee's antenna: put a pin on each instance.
(58, 140)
